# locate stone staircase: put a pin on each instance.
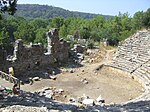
(9, 78)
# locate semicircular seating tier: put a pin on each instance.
(133, 57)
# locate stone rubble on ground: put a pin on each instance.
(100, 99)
(88, 102)
(53, 77)
(36, 79)
(84, 81)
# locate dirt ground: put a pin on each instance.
(112, 86)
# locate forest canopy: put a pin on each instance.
(8, 6)
(97, 28)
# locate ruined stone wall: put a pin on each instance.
(33, 56)
(28, 58)
(59, 48)
(2, 58)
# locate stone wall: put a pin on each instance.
(28, 58)
(2, 57)
(35, 56)
(59, 48)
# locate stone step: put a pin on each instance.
(142, 76)
(141, 70)
(141, 79)
(122, 68)
(142, 59)
(145, 68)
(126, 64)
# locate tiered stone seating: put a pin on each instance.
(143, 73)
(133, 56)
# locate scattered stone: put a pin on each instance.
(99, 67)
(100, 99)
(49, 96)
(88, 102)
(66, 70)
(65, 96)
(79, 48)
(59, 91)
(130, 98)
(84, 81)
(72, 100)
(112, 103)
(52, 77)
(48, 92)
(80, 56)
(30, 81)
(53, 73)
(21, 82)
(72, 71)
(85, 96)
(48, 88)
(80, 99)
(54, 111)
(36, 79)
(91, 60)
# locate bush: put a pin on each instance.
(90, 44)
(113, 41)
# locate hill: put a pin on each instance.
(32, 11)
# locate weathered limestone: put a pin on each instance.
(133, 56)
(58, 48)
(33, 56)
(52, 39)
(27, 58)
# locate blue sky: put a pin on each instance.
(106, 7)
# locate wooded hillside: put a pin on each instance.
(31, 11)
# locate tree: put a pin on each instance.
(85, 33)
(57, 22)
(4, 38)
(8, 6)
(40, 36)
(137, 20)
(146, 19)
(113, 41)
(26, 32)
(39, 23)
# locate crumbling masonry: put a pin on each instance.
(35, 56)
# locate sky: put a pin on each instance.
(105, 7)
